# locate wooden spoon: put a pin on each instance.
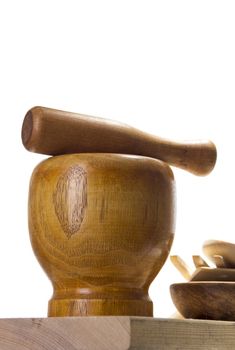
(224, 249)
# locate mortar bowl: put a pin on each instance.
(101, 226)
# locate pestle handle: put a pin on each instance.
(54, 132)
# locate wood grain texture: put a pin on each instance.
(53, 132)
(70, 199)
(116, 333)
(101, 226)
(205, 300)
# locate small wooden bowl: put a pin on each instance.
(205, 300)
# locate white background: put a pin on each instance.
(167, 67)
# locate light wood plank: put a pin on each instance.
(171, 334)
(96, 333)
(65, 333)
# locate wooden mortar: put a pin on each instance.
(101, 226)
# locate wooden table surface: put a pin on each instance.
(116, 333)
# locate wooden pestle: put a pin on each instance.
(54, 132)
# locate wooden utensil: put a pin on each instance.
(213, 274)
(55, 132)
(205, 300)
(181, 266)
(203, 273)
(199, 261)
(218, 261)
(214, 248)
(101, 226)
